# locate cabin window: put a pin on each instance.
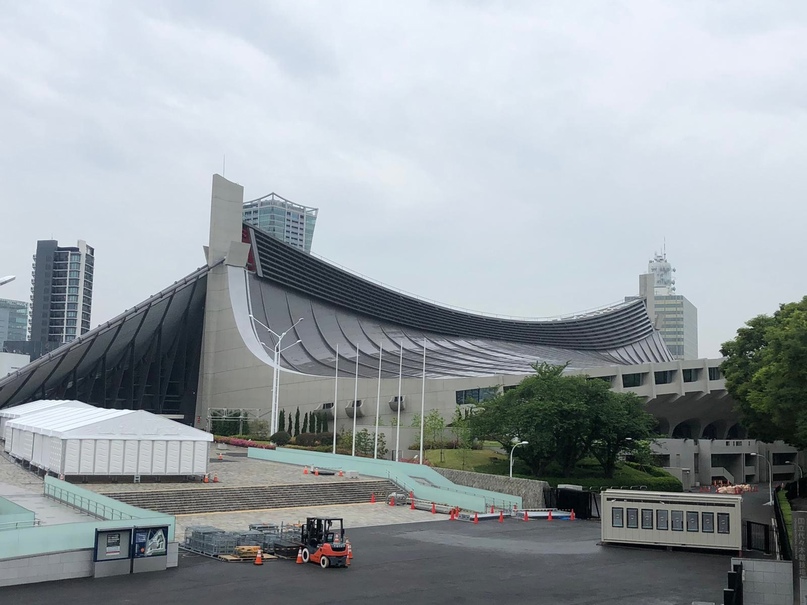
(647, 518)
(723, 523)
(616, 516)
(708, 522)
(662, 520)
(677, 520)
(692, 520)
(633, 518)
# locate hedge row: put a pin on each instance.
(239, 442)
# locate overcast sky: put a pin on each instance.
(519, 158)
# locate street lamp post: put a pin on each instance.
(770, 478)
(276, 374)
(511, 454)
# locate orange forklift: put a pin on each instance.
(323, 541)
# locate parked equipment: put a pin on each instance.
(323, 542)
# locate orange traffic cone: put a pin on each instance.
(476, 518)
(491, 509)
(220, 457)
(206, 480)
(372, 498)
(300, 555)
(572, 517)
(305, 470)
(434, 508)
(412, 503)
(501, 516)
(349, 550)
(316, 471)
(259, 558)
(341, 473)
(526, 516)
(451, 515)
(215, 478)
(549, 518)
(392, 500)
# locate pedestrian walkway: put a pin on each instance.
(354, 515)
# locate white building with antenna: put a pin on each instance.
(675, 317)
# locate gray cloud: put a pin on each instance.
(505, 157)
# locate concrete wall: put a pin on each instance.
(530, 491)
(766, 582)
(46, 568)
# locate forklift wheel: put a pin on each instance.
(324, 562)
(306, 555)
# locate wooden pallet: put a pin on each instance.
(247, 559)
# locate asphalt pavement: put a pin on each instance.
(544, 562)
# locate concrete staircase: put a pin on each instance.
(223, 499)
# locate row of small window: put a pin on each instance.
(475, 395)
(670, 520)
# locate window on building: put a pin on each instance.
(714, 373)
(647, 518)
(708, 522)
(616, 516)
(633, 518)
(632, 380)
(691, 374)
(692, 520)
(664, 377)
(662, 519)
(677, 520)
(723, 526)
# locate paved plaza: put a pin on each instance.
(544, 562)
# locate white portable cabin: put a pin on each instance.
(34, 406)
(108, 442)
(691, 520)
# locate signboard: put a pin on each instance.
(113, 544)
(800, 542)
(150, 542)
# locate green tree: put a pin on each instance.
(461, 429)
(305, 423)
(382, 446)
(259, 430)
(620, 423)
(434, 425)
(365, 442)
(766, 374)
(297, 422)
(281, 421)
(323, 418)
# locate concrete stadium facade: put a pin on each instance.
(202, 347)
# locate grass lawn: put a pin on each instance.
(588, 472)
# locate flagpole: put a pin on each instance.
(422, 402)
(378, 401)
(355, 397)
(398, 425)
(335, 393)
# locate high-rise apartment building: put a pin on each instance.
(282, 219)
(61, 294)
(675, 317)
(13, 320)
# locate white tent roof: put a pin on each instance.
(37, 406)
(97, 423)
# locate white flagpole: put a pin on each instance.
(378, 401)
(335, 393)
(398, 426)
(422, 403)
(355, 396)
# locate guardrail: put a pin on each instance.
(19, 524)
(85, 504)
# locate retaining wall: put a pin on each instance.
(766, 582)
(530, 491)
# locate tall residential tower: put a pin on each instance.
(61, 294)
(282, 219)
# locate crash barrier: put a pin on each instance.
(427, 483)
(780, 527)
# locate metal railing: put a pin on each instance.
(19, 524)
(782, 537)
(85, 504)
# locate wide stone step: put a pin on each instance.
(222, 499)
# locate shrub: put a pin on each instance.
(237, 442)
(280, 438)
(313, 439)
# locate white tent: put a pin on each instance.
(97, 441)
(34, 406)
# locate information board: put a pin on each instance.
(150, 542)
